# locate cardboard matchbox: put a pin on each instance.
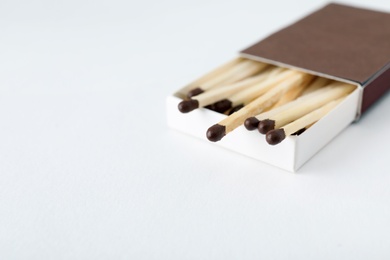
(338, 42)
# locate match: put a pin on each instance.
(318, 83)
(304, 106)
(286, 102)
(276, 136)
(247, 95)
(233, 73)
(216, 94)
(222, 69)
(293, 79)
(293, 94)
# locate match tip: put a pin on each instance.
(188, 105)
(222, 106)
(235, 109)
(216, 132)
(251, 123)
(194, 92)
(275, 136)
(266, 125)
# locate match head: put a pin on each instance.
(251, 123)
(276, 136)
(266, 125)
(188, 105)
(235, 109)
(216, 132)
(222, 106)
(194, 92)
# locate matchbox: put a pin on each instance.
(340, 43)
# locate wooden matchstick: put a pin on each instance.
(215, 94)
(290, 95)
(212, 74)
(252, 123)
(239, 71)
(286, 102)
(316, 84)
(294, 79)
(239, 100)
(304, 106)
(278, 135)
(245, 96)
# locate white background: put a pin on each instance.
(89, 169)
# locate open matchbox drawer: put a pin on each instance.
(338, 42)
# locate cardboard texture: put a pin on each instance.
(341, 41)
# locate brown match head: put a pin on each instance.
(251, 123)
(222, 106)
(209, 107)
(235, 109)
(188, 105)
(266, 125)
(275, 136)
(194, 92)
(216, 132)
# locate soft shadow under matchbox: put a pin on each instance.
(294, 90)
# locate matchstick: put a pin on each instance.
(212, 74)
(316, 84)
(242, 70)
(253, 122)
(276, 136)
(290, 95)
(215, 94)
(304, 106)
(247, 95)
(294, 79)
(235, 105)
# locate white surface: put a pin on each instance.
(89, 169)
